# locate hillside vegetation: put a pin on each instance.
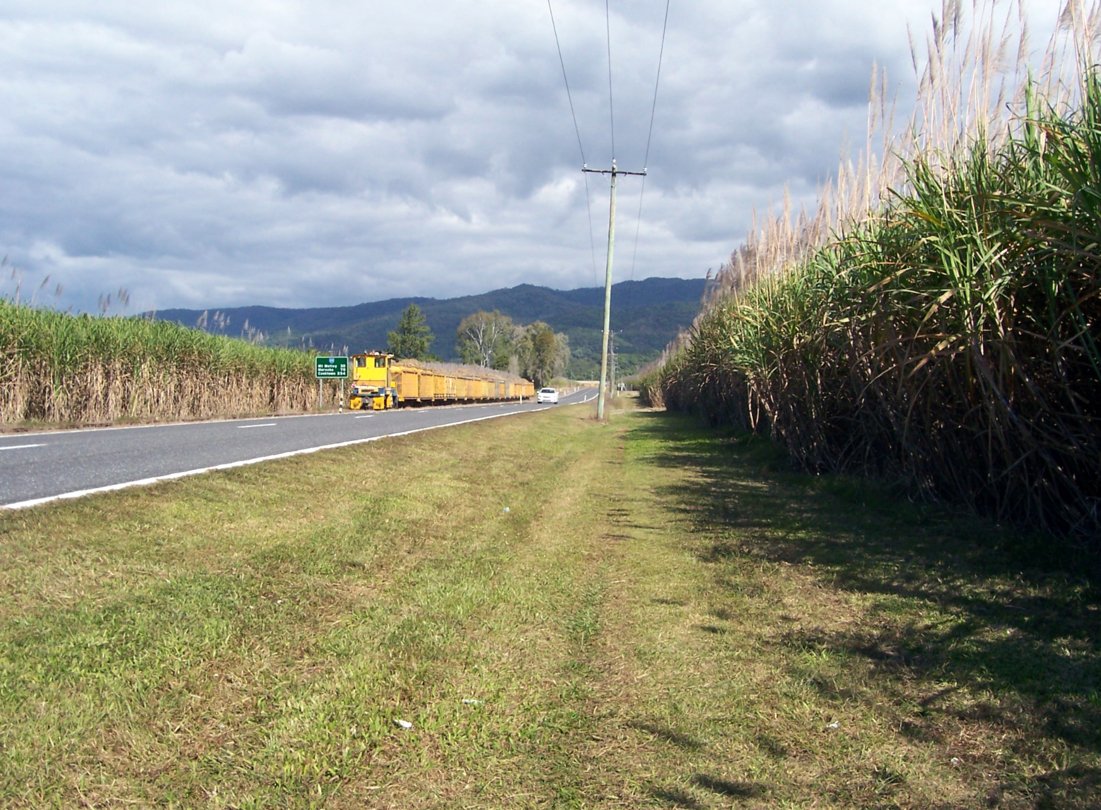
(938, 321)
(64, 369)
(647, 315)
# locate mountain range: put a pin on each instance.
(646, 316)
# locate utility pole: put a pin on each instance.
(611, 365)
(608, 282)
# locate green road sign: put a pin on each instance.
(330, 368)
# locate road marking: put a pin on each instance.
(164, 425)
(246, 427)
(21, 446)
(365, 416)
(234, 464)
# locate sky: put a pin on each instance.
(286, 153)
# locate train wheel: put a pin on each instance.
(355, 403)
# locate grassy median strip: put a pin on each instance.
(537, 612)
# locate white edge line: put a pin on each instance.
(231, 465)
(21, 446)
(155, 425)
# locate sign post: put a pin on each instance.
(330, 368)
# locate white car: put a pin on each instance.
(547, 395)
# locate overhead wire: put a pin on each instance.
(577, 131)
(649, 135)
(565, 79)
(611, 119)
(611, 99)
(657, 82)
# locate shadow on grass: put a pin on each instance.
(663, 732)
(675, 797)
(733, 790)
(1024, 615)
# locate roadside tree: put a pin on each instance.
(543, 353)
(412, 337)
(485, 339)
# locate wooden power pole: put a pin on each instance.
(614, 172)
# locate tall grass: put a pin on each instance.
(65, 369)
(945, 330)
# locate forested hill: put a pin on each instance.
(646, 316)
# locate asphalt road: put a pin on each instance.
(37, 468)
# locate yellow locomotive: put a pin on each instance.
(379, 383)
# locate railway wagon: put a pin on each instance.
(380, 383)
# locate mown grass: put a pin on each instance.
(661, 618)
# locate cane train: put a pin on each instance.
(380, 383)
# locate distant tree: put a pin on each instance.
(412, 337)
(485, 339)
(561, 353)
(543, 353)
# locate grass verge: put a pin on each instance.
(563, 613)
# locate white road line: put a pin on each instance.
(165, 425)
(246, 427)
(365, 416)
(21, 446)
(231, 465)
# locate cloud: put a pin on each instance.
(209, 155)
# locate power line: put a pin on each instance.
(577, 131)
(657, 81)
(611, 101)
(569, 95)
(650, 134)
(592, 237)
